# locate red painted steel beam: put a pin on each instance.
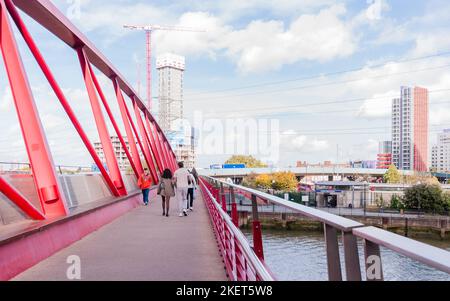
(113, 121)
(161, 148)
(47, 14)
(169, 162)
(147, 151)
(154, 145)
(153, 149)
(18, 199)
(164, 147)
(136, 134)
(131, 141)
(44, 174)
(58, 92)
(105, 139)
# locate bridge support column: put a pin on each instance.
(44, 174)
(111, 160)
(257, 232)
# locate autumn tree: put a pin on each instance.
(249, 161)
(392, 175)
(285, 181)
(264, 181)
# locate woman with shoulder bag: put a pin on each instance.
(166, 190)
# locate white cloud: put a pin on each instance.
(305, 144)
(377, 107)
(266, 45)
(6, 100)
(259, 46)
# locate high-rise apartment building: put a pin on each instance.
(170, 70)
(384, 157)
(440, 154)
(119, 151)
(181, 136)
(410, 129)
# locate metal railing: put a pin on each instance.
(240, 260)
(215, 192)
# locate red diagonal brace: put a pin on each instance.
(128, 130)
(58, 92)
(105, 139)
(113, 121)
(160, 145)
(18, 199)
(147, 151)
(154, 145)
(44, 174)
(136, 134)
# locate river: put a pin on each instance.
(300, 255)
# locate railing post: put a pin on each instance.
(257, 233)
(44, 174)
(332, 250)
(372, 259)
(102, 129)
(234, 212)
(222, 197)
(352, 266)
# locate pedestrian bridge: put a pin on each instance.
(98, 217)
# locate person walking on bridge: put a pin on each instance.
(144, 183)
(181, 177)
(166, 189)
(190, 194)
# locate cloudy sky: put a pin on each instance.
(325, 70)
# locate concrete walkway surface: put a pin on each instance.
(142, 245)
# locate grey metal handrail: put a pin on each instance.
(424, 253)
(373, 239)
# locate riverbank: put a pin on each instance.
(430, 227)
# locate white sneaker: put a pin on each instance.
(191, 209)
(180, 215)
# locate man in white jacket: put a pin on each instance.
(182, 176)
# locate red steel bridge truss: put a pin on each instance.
(145, 137)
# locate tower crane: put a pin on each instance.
(149, 29)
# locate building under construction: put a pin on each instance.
(171, 70)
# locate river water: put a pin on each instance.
(300, 255)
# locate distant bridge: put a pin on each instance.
(299, 171)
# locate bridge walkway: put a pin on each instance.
(142, 245)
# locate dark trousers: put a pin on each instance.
(190, 197)
(145, 193)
